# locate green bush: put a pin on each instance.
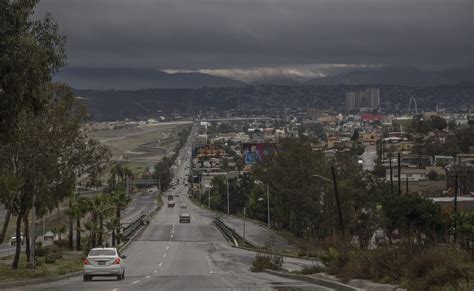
(39, 250)
(62, 244)
(267, 262)
(308, 270)
(50, 259)
(415, 267)
(438, 267)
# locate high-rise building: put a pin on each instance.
(368, 98)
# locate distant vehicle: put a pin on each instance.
(171, 203)
(183, 206)
(49, 235)
(170, 197)
(184, 218)
(104, 262)
(13, 240)
(176, 195)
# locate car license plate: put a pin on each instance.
(101, 263)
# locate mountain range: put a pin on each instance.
(405, 76)
(134, 79)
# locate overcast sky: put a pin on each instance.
(299, 36)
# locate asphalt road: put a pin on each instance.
(141, 204)
(168, 255)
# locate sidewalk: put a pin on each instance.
(256, 234)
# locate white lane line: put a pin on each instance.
(154, 271)
(167, 247)
(164, 255)
(160, 264)
(115, 289)
(147, 277)
(135, 282)
(171, 236)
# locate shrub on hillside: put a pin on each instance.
(416, 267)
(438, 267)
(267, 262)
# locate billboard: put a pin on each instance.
(208, 151)
(255, 152)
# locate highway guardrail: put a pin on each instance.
(228, 232)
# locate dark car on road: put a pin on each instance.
(185, 218)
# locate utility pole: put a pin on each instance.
(455, 206)
(391, 176)
(268, 206)
(245, 210)
(406, 181)
(336, 193)
(126, 186)
(399, 176)
(227, 186)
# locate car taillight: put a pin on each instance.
(86, 262)
(117, 261)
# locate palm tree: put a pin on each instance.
(93, 228)
(100, 207)
(77, 210)
(120, 200)
(113, 224)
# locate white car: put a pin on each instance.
(13, 240)
(104, 262)
(49, 235)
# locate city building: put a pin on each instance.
(366, 100)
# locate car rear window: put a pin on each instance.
(104, 252)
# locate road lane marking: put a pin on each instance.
(147, 277)
(171, 236)
(135, 282)
(115, 289)
(167, 247)
(164, 255)
(161, 263)
(154, 271)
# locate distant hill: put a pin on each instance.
(134, 79)
(278, 81)
(407, 76)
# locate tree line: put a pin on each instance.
(44, 150)
(304, 204)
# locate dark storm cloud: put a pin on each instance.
(198, 34)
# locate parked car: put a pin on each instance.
(104, 262)
(171, 203)
(184, 218)
(49, 235)
(13, 240)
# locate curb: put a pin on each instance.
(320, 282)
(256, 250)
(39, 281)
(70, 275)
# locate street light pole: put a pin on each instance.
(209, 198)
(245, 210)
(399, 176)
(268, 206)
